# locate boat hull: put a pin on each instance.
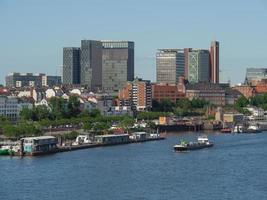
(192, 147)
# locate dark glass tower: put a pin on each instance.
(91, 64)
(117, 64)
(71, 65)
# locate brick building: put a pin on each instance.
(166, 91)
(136, 94)
(245, 90)
(207, 91)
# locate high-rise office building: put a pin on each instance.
(117, 64)
(197, 65)
(91, 64)
(170, 65)
(214, 62)
(71, 65)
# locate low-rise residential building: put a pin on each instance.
(121, 110)
(36, 94)
(207, 91)
(104, 103)
(53, 92)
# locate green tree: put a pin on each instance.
(95, 113)
(165, 105)
(58, 108)
(42, 112)
(73, 106)
(26, 114)
(242, 102)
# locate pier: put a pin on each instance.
(95, 145)
(49, 144)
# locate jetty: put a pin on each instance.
(37, 146)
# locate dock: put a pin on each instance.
(95, 145)
(60, 149)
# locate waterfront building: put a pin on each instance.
(11, 106)
(246, 90)
(39, 145)
(170, 65)
(112, 139)
(91, 64)
(207, 91)
(233, 117)
(71, 65)
(197, 65)
(214, 62)
(117, 64)
(255, 75)
(136, 94)
(139, 136)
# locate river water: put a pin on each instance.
(235, 168)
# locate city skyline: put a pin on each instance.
(30, 48)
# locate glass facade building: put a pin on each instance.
(91, 64)
(198, 69)
(117, 64)
(170, 65)
(71, 65)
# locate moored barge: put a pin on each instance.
(202, 142)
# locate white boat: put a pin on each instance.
(238, 129)
(253, 128)
(82, 139)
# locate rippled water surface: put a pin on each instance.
(235, 168)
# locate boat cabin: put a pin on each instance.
(112, 139)
(202, 139)
(140, 135)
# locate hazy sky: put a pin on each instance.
(33, 32)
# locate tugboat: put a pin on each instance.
(202, 142)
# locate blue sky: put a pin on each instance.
(33, 32)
